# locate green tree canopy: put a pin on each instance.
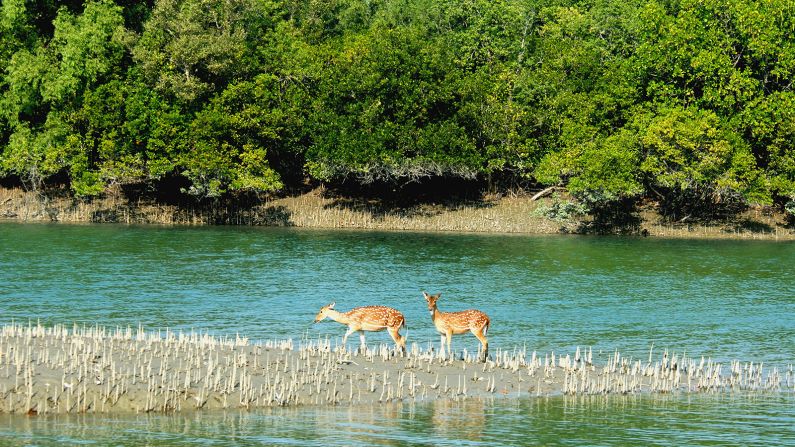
(686, 102)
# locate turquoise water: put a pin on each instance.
(723, 299)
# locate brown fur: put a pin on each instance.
(368, 318)
(451, 323)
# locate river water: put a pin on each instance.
(720, 299)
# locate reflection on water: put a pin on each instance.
(465, 419)
(739, 419)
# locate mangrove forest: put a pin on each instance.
(689, 103)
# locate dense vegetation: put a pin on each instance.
(687, 102)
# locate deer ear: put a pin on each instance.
(425, 294)
(331, 306)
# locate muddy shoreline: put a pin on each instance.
(507, 214)
(56, 370)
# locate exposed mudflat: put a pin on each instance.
(94, 369)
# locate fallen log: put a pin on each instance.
(545, 192)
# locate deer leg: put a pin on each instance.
(483, 341)
(399, 341)
(441, 346)
(449, 336)
(364, 345)
(345, 337)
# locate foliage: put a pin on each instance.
(192, 48)
(789, 207)
(564, 211)
(687, 102)
(686, 149)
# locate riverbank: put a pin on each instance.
(46, 370)
(319, 208)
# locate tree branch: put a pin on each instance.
(545, 192)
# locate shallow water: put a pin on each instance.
(722, 299)
(767, 419)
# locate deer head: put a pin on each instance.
(323, 312)
(431, 299)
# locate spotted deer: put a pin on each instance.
(450, 323)
(367, 318)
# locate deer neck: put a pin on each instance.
(339, 317)
(435, 313)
